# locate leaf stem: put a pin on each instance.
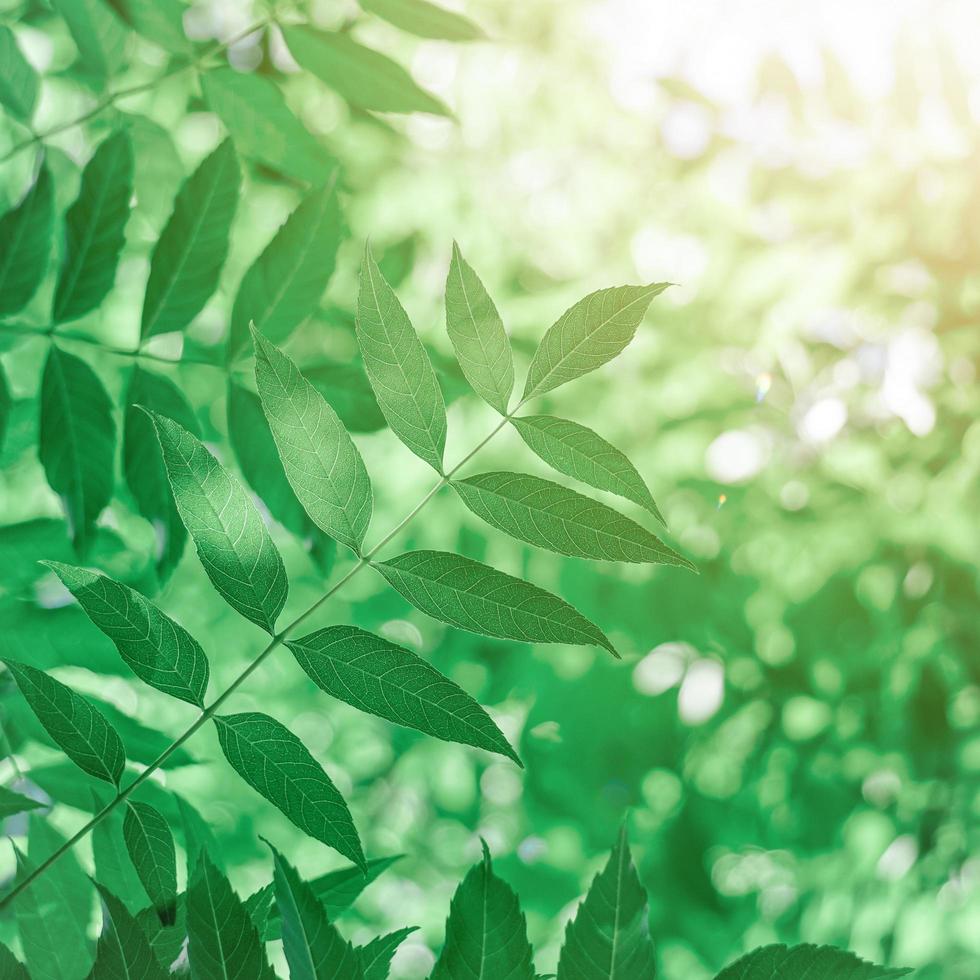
(210, 710)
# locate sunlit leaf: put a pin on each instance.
(25, 244)
(123, 952)
(376, 956)
(160, 21)
(18, 80)
(425, 19)
(780, 962)
(151, 848)
(96, 31)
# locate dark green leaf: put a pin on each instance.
(362, 76)
(187, 259)
(6, 406)
(284, 284)
(476, 597)
(584, 455)
(198, 836)
(95, 228)
(97, 33)
(321, 462)
(142, 743)
(18, 80)
(11, 803)
(275, 763)
(478, 335)
(151, 848)
(553, 517)
(167, 942)
(399, 368)
(123, 952)
(10, 967)
(113, 867)
(77, 728)
(77, 440)
(587, 335)
(610, 934)
(222, 942)
(386, 680)
(779, 962)
(25, 244)
(425, 19)
(486, 934)
(232, 541)
(376, 956)
(347, 389)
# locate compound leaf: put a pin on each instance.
(123, 952)
(25, 244)
(376, 956)
(18, 80)
(425, 19)
(151, 848)
(391, 682)
(778, 962)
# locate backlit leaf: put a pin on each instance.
(779, 962)
(386, 680)
(187, 259)
(76, 727)
(232, 541)
(11, 803)
(425, 19)
(347, 388)
(18, 80)
(95, 228)
(476, 597)
(553, 517)
(587, 335)
(25, 244)
(478, 335)
(123, 952)
(399, 368)
(275, 763)
(376, 956)
(151, 848)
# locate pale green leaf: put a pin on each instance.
(476, 597)
(477, 334)
(151, 848)
(806, 962)
(425, 19)
(584, 455)
(275, 763)
(25, 244)
(391, 682)
(399, 368)
(123, 952)
(587, 335)
(486, 933)
(11, 803)
(187, 259)
(609, 938)
(362, 76)
(232, 541)
(77, 443)
(263, 126)
(18, 80)
(113, 866)
(10, 967)
(159, 21)
(76, 727)
(95, 227)
(557, 519)
(321, 462)
(284, 284)
(98, 34)
(376, 956)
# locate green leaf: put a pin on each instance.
(478, 335)
(77, 728)
(159, 21)
(486, 933)
(95, 227)
(187, 259)
(779, 962)
(222, 942)
(347, 389)
(123, 952)
(11, 803)
(321, 462)
(10, 967)
(391, 682)
(166, 942)
(399, 368)
(284, 284)
(25, 244)
(151, 848)
(362, 76)
(53, 912)
(425, 19)
(478, 598)
(313, 947)
(584, 455)
(77, 445)
(146, 475)
(610, 934)
(142, 743)
(275, 763)
(159, 651)
(6, 406)
(113, 867)
(376, 956)
(18, 80)
(232, 542)
(587, 335)
(553, 517)
(97, 33)
(262, 125)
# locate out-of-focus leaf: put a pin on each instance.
(425, 19)
(6, 406)
(123, 952)
(188, 257)
(151, 848)
(11, 968)
(77, 440)
(11, 803)
(263, 126)
(25, 244)
(376, 956)
(275, 763)
(610, 935)
(160, 21)
(98, 34)
(157, 175)
(553, 517)
(198, 837)
(95, 230)
(486, 933)
(18, 80)
(78, 729)
(383, 679)
(232, 542)
(587, 335)
(113, 866)
(780, 962)
(364, 77)
(347, 388)
(399, 368)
